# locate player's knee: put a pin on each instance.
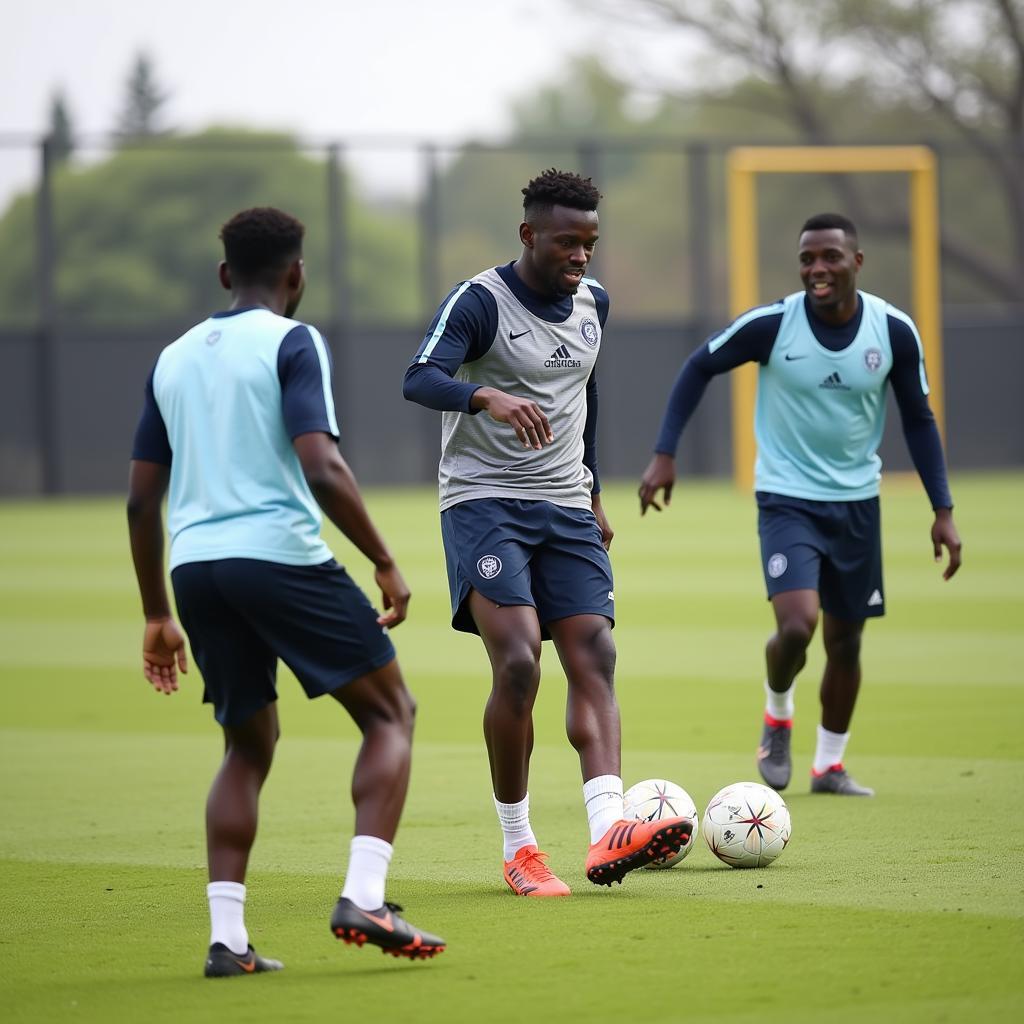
(516, 676)
(795, 632)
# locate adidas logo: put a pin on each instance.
(833, 382)
(875, 599)
(561, 357)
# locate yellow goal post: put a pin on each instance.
(743, 165)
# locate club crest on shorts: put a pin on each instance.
(873, 359)
(489, 566)
(589, 332)
(777, 565)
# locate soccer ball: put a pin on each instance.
(654, 799)
(746, 825)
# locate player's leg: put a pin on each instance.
(488, 545)
(840, 684)
(512, 639)
(791, 548)
(573, 586)
(851, 592)
(238, 671)
(232, 812)
(384, 710)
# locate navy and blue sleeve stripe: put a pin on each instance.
(151, 443)
(461, 331)
(748, 339)
(304, 370)
(601, 299)
(590, 432)
(910, 388)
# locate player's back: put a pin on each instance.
(237, 487)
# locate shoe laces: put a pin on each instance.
(778, 742)
(534, 866)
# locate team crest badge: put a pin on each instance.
(873, 359)
(213, 337)
(489, 566)
(777, 565)
(590, 332)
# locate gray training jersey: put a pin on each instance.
(529, 358)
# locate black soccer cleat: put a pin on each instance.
(774, 761)
(222, 963)
(839, 781)
(383, 927)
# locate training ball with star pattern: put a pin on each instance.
(656, 799)
(747, 825)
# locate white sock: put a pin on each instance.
(368, 862)
(515, 825)
(780, 705)
(603, 799)
(830, 749)
(227, 915)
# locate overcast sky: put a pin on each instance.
(441, 69)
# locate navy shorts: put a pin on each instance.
(242, 614)
(833, 547)
(526, 553)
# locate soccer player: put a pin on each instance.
(509, 360)
(825, 355)
(239, 423)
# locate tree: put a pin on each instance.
(60, 130)
(143, 101)
(958, 63)
(136, 235)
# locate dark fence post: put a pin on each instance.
(47, 409)
(702, 302)
(588, 154)
(340, 298)
(430, 232)
(699, 198)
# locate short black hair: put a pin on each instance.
(827, 221)
(560, 188)
(261, 242)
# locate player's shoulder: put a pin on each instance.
(903, 331)
(768, 310)
(473, 297)
(597, 289)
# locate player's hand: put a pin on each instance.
(395, 595)
(659, 475)
(944, 535)
(607, 533)
(524, 416)
(163, 653)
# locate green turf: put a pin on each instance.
(905, 908)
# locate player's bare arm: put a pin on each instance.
(524, 416)
(337, 493)
(607, 533)
(944, 535)
(163, 644)
(660, 475)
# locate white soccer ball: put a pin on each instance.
(746, 825)
(654, 799)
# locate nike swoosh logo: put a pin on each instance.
(512, 337)
(247, 967)
(790, 358)
(384, 922)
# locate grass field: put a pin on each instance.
(907, 907)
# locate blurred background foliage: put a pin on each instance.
(136, 218)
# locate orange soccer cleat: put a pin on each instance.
(528, 874)
(631, 844)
